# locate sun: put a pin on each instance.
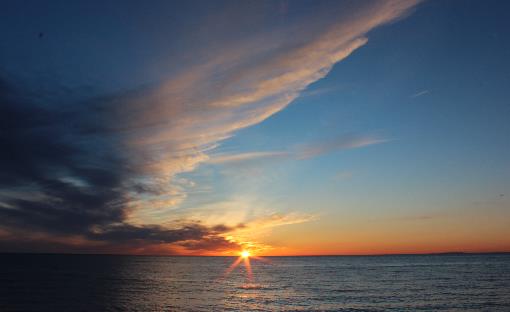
(244, 257)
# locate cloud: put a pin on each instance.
(60, 187)
(304, 151)
(39, 153)
(123, 238)
(249, 81)
(233, 158)
(279, 219)
(215, 243)
(262, 226)
(418, 94)
(89, 163)
(337, 144)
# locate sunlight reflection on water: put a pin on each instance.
(113, 283)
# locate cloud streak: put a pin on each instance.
(421, 93)
(304, 151)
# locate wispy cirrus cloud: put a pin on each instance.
(304, 151)
(241, 157)
(340, 143)
(421, 93)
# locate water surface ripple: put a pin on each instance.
(365, 283)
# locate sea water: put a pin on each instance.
(339, 283)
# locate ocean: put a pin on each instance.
(459, 282)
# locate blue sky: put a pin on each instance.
(332, 121)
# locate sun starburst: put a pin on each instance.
(244, 256)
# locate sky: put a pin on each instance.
(279, 127)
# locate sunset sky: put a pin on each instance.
(281, 127)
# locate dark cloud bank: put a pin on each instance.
(63, 173)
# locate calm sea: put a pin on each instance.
(139, 283)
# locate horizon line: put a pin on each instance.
(274, 256)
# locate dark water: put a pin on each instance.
(131, 283)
